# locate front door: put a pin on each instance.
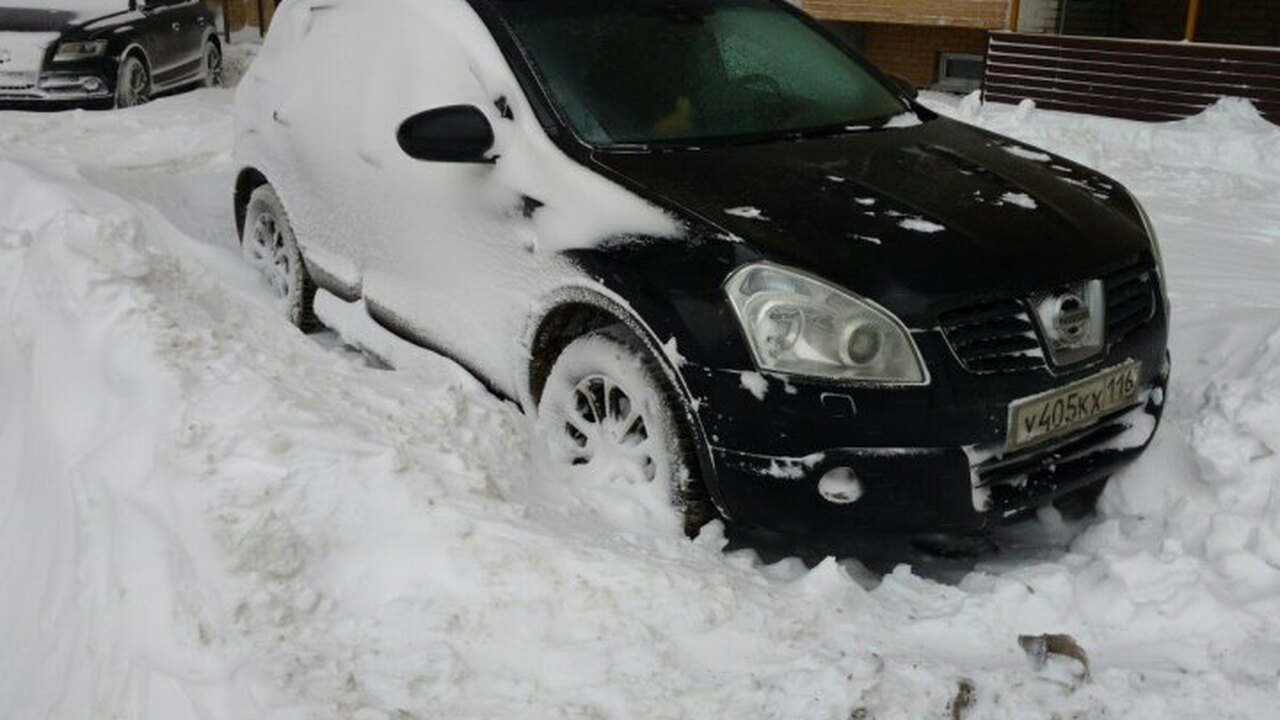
(163, 23)
(191, 20)
(449, 255)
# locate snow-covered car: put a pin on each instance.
(712, 251)
(97, 54)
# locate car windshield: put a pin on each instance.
(645, 72)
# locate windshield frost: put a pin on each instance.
(655, 71)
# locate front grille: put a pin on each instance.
(1131, 299)
(1000, 337)
(993, 338)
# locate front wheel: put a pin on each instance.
(133, 83)
(270, 245)
(608, 414)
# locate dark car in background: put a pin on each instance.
(98, 54)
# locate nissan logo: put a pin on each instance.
(1071, 318)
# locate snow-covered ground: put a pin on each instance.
(204, 514)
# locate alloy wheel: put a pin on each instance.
(135, 84)
(605, 430)
(265, 248)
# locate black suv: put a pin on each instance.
(712, 251)
(58, 54)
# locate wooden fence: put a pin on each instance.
(1136, 79)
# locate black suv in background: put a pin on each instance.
(59, 54)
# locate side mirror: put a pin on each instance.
(905, 87)
(457, 133)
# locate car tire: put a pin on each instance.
(270, 245)
(133, 82)
(609, 397)
(212, 65)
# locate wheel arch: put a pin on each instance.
(247, 180)
(132, 49)
(135, 50)
(575, 311)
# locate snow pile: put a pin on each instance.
(1235, 521)
(78, 389)
(1230, 135)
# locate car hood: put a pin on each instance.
(58, 18)
(921, 219)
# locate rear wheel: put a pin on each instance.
(608, 413)
(133, 83)
(270, 245)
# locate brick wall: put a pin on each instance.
(911, 51)
(984, 14)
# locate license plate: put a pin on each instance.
(1058, 412)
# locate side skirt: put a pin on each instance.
(390, 322)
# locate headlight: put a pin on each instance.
(800, 325)
(70, 51)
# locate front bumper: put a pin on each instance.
(926, 460)
(59, 91)
(926, 490)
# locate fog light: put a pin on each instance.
(840, 486)
(91, 84)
